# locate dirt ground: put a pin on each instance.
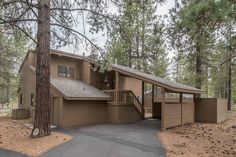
(14, 135)
(201, 140)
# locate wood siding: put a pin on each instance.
(176, 114)
(130, 83)
(69, 62)
(122, 113)
(211, 110)
(222, 110)
(80, 113)
(187, 113)
(172, 113)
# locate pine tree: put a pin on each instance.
(137, 42)
(55, 21)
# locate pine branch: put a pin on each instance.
(18, 1)
(30, 7)
(84, 9)
(16, 20)
(228, 59)
(11, 23)
(72, 30)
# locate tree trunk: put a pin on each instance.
(198, 82)
(41, 126)
(229, 85)
(130, 3)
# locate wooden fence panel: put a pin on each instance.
(172, 113)
(187, 113)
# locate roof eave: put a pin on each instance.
(87, 98)
(170, 88)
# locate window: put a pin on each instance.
(62, 71)
(70, 72)
(65, 71)
(32, 97)
(21, 99)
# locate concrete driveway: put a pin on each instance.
(108, 140)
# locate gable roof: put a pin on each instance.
(169, 85)
(77, 90)
(59, 53)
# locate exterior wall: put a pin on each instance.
(79, 113)
(97, 79)
(27, 83)
(55, 94)
(84, 71)
(57, 60)
(210, 110)
(122, 113)
(130, 83)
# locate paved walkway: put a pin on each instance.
(108, 140)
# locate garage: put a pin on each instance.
(75, 103)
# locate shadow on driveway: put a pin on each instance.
(112, 140)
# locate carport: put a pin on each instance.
(172, 102)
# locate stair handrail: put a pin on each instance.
(122, 96)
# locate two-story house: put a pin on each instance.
(81, 95)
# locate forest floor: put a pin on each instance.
(14, 135)
(201, 140)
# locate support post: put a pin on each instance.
(152, 93)
(117, 81)
(181, 103)
(117, 87)
(163, 109)
(142, 93)
(153, 98)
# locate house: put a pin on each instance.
(81, 95)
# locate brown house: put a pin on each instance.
(81, 95)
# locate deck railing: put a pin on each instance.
(126, 96)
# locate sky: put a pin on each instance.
(100, 38)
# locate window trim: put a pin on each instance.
(67, 75)
(62, 74)
(68, 72)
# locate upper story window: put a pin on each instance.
(65, 71)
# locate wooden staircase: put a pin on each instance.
(126, 96)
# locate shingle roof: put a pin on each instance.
(74, 89)
(170, 85)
